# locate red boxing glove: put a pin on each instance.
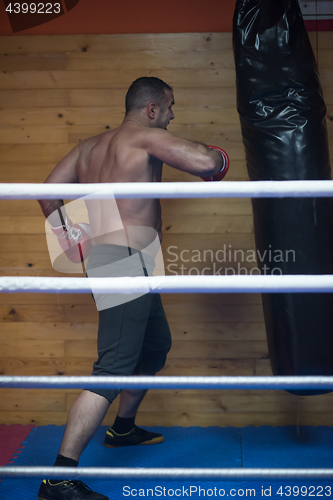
(225, 166)
(74, 239)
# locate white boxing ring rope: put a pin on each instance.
(164, 382)
(170, 284)
(163, 473)
(258, 189)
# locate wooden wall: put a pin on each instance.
(56, 91)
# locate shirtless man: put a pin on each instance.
(133, 152)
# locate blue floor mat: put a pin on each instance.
(305, 447)
(208, 447)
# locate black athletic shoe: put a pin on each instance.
(68, 490)
(135, 436)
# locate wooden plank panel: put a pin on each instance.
(22, 225)
(87, 44)
(22, 261)
(19, 207)
(199, 96)
(33, 62)
(45, 152)
(29, 399)
(102, 79)
(184, 419)
(208, 367)
(328, 94)
(26, 243)
(152, 60)
(24, 171)
(37, 349)
(111, 116)
(38, 98)
(330, 131)
(34, 417)
(329, 106)
(325, 39)
(26, 366)
(47, 313)
(15, 271)
(324, 59)
(115, 43)
(62, 116)
(17, 134)
(263, 368)
(45, 331)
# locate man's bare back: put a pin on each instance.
(119, 156)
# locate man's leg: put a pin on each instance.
(130, 401)
(156, 345)
(87, 414)
(84, 418)
(124, 432)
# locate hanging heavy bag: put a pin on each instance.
(282, 115)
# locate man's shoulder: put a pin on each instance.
(89, 142)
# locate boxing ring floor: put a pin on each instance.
(197, 447)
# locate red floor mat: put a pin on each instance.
(11, 436)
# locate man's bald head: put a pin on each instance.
(144, 91)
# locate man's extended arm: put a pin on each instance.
(192, 157)
(64, 172)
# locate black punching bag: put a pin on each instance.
(282, 115)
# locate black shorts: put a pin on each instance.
(133, 337)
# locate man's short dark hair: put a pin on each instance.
(145, 90)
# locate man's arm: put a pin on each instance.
(64, 172)
(192, 157)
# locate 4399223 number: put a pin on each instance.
(34, 8)
(304, 491)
